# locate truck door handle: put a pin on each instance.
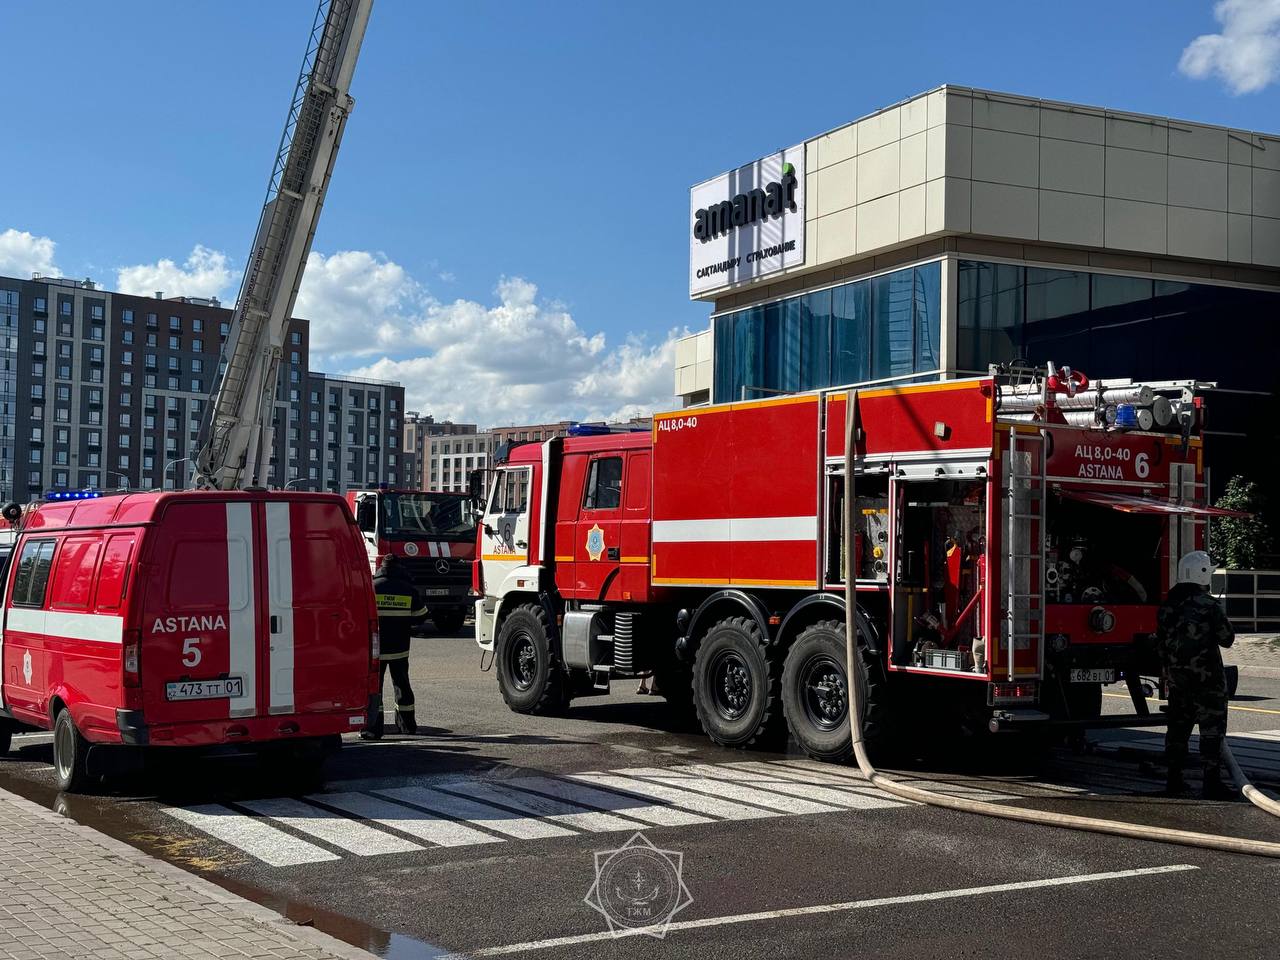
(521, 544)
(614, 553)
(275, 624)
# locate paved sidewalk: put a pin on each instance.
(69, 892)
(1256, 654)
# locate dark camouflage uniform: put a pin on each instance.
(1192, 626)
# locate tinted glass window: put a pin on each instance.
(32, 575)
(604, 484)
(77, 565)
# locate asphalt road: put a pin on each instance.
(480, 836)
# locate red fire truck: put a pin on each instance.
(434, 535)
(1015, 535)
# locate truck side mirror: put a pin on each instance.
(11, 512)
(367, 515)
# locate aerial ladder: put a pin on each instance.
(237, 434)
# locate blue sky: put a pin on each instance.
(511, 195)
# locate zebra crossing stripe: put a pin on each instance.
(660, 815)
(711, 806)
(436, 830)
(339, 831)
(817, 792)
(556, 811)
(691, 779)
(779, 770)
(272, 846)
(474, 812)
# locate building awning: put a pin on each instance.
(1133, 503)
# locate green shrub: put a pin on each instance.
(1239, 543)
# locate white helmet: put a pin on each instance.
(1195, 567)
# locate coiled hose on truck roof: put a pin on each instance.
(1117, 828)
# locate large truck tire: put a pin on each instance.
(70, 753)
(736, 686)
(449, 621)
(529, 677)
(815, 692)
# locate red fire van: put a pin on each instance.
(186, 619)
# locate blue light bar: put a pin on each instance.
(72, 494)
(588, 430)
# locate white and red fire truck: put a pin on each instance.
(1015, 536)
(433, 534)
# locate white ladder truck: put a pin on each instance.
(236, 440)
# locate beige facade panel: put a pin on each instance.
(1266, 193)
(1006, 114)
(877, 224)
(1135, 225)
(838, 145)
(1137, 175)
(1266, 242)
(878, 172)
(1239, 189)
(836, 235)
(912, 221)
(1071, 218)
(1197, 183)
(912, 159)
(1201, 234)
(836, 186)
(1077, 124)
(879, 129)
(1005, 210)
(1239, 238)
(1197, 142)
(1073, 167)
(1136, 132)
(1003, 157)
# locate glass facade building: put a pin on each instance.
(1114, 326)
(883, 328)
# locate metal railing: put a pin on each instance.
(1251, 598)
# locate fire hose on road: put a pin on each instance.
(1118, 828)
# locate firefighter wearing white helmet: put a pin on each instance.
(1192, 626)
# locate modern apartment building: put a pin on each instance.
(103, 390)
(418, 431)
(452, 457)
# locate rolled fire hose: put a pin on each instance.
(1117, 828)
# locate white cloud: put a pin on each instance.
(206, 273)
(521, 360)
(23, 253)
(358, 303)
(1246, 54)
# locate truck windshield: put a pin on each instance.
(414, 516)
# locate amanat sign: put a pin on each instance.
(747, 223)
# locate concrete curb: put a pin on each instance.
(200, 886)
(1249, 670)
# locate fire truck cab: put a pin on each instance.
(1014, 538)
(198, 619)
(433, 534)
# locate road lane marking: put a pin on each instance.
(711, 806)
(272, 846)
(556, 811)
(822, 793)
(472, 811)
(778, 769)
(425, 826)
(660, 815)
(962, 790)
(350, 835)
(1230, 706)
(727, 787)
(847, 906)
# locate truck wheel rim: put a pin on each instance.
(825, 694)
(522, 661)
(730, 685)
(64, 748)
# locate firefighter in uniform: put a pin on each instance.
(1191, 628)
(400, 606)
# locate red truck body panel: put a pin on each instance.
(266, 592)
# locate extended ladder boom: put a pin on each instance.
(237, 436)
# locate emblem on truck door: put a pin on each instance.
(26, 667)
(595, 542)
